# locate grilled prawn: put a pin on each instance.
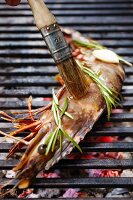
(47, 143)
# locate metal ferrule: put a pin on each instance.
(56, 43)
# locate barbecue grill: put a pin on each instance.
(26, 68)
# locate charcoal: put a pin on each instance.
(111, 195)
(10, 174)
(32, 195)
(48, 193)
(127, 173)
(118, 191)
(71, 193)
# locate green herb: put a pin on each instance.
(124, 61)
(65, 106)
(61, 138)
(89, 44)
(95, 45)
(59, 132)
(110, 95)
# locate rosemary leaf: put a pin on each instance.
(59, 118)
(55, 139)
(55, 98)
(48, 138)
(71, 140)
(99, 73)
(109, 107)
(88, 44)
(50, 143)
(61, 138)
(65, 106)
(69, 115)
(63, 110)
(125, 61)
(55, 114)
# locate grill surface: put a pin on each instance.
(26, 68)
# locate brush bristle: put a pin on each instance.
(74, 78)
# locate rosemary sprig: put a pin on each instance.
(95, 45)
(111, 97)
(59, 132)
(89, 45)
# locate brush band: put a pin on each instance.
(56, 43)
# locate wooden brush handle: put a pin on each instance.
(71, 73)
(43, 17)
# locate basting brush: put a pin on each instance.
(74, 78)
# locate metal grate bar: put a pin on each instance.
(79, 182)
(84, 29)
(36, 36)
(40, 44)
(26, 92)
(89, 147)
(39, 80)
(107, 12)
(79, 21)
(23, 104)
(80, 164)
(98, 131)
(85, 5)
(122, 117)
(40, 71)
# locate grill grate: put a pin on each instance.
(26, 68)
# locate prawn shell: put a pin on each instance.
(85, 111)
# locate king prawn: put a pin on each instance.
(54, 130)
